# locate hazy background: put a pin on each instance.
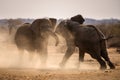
(24, 9)
(97, 9)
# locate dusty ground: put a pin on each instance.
(14, 68)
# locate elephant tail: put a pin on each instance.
(109, 37)
(100, 33)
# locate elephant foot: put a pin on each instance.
(77, 65)
(111, 66)
(62, 65)
(103, 67)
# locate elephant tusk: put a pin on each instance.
(57, 23)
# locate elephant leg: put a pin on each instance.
(97, 56)
(69, 52)
(81, 57)
(20, 57)
(102, 63)
(21, 52)
(104, 54)
(31, 58)
(31, 55)
(43, 56)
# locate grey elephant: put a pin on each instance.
(34, 38)
(87, 38)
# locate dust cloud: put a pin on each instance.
(11, 58)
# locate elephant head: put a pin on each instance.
(57, 25)
(43, 27)
(78, 18)
(39, 25)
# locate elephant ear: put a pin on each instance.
(40, 25)
(78, 18)
(35, 26)
(53, 21)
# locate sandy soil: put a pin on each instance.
(14, 68)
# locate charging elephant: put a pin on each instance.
(34, 37)
(87, 38)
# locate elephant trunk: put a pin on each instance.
(55, 36)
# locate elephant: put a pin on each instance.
(34, 38)
(87, 38)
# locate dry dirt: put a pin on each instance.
(12, 67)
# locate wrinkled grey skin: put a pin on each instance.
(87, 38)
(34, 38)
